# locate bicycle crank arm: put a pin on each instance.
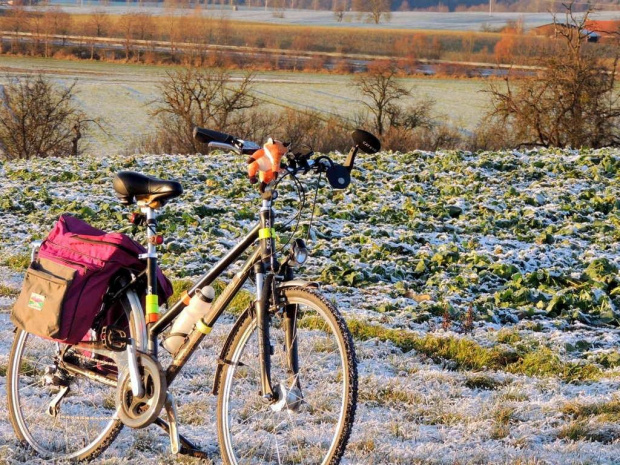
(137, 388)
(54, 406)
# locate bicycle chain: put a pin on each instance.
(67, 417)
(89, 360)
(92, 359)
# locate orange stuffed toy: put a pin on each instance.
(266, 162)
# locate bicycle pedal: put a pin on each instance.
(114, 338)
(186, 446)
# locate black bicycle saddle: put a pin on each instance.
(134, 187)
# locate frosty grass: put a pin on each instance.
(509, 255)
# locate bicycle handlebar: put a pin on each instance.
(339, 176)
(225, 141)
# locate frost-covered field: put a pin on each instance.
(482, 291)
(103, 89)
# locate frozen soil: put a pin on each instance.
(510, 250)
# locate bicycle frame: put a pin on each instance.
(263, 262)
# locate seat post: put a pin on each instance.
(152, 300)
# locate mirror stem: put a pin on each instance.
(351, 158)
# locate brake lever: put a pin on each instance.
(300, 162)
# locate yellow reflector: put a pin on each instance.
(202, 327)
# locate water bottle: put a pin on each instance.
(199, 305)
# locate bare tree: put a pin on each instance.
(98, 25)
(197, 31)
(278, 8)
(60, 22)
(99, 22)
(39, 119)
(38, 30)
(376, 9)
(412, 116)
(200, 97)
(174, 29)
(144, 29)
(127, 24)
(382, 91)
(16, 20)
(571, 102)
(339, 7)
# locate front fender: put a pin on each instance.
(298, 283)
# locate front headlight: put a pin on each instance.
(299, 253)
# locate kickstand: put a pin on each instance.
(171, 411)
(187, 447)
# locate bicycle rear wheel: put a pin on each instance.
(314, 430)
(82, 423)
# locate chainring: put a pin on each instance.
(139, 412)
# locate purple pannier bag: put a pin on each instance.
(91, 257)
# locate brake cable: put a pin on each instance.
(302, 204)
(316, 192)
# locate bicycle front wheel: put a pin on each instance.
(62, 416)
(315, 426)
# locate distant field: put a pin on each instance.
(399, 20)
(120, 94)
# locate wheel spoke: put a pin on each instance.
(296, 440)
(316, 364)
(81, 418)
(247, 420)
(34, 383)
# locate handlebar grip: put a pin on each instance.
(208, 135)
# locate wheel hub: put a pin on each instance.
(139, 412)
(290, 399)
(54, 377)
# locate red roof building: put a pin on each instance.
(605, 29)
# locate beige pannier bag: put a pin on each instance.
(38, 309)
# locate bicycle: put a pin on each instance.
(286, 378)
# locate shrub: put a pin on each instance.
(40, 119)
(571, 102)
(198, 97)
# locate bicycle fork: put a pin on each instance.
(287, 394)
(264, 282)
(266, 293)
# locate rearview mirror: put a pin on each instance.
(366, 141)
